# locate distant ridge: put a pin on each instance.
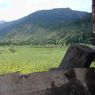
(55, 26)
(2, 21)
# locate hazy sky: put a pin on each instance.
(14, 9)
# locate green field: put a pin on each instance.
(27, 59)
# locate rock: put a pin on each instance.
(77, 56)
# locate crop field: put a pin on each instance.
(28, 59)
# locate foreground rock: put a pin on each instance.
(77, 56)
(67, 82)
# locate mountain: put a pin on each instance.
(2, 21)
(56, 26)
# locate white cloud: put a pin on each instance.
(14, 9)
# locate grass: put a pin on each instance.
(27, 59)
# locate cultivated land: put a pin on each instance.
(27, 59)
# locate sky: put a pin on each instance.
(15, 9)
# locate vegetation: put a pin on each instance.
(57, 26)
(50, 31)
(27, 59)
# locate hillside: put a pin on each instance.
(2, 22)
(56, 26)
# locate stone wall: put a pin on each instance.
(67, 82)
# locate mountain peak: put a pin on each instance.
(39, 26)
(62, 8)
